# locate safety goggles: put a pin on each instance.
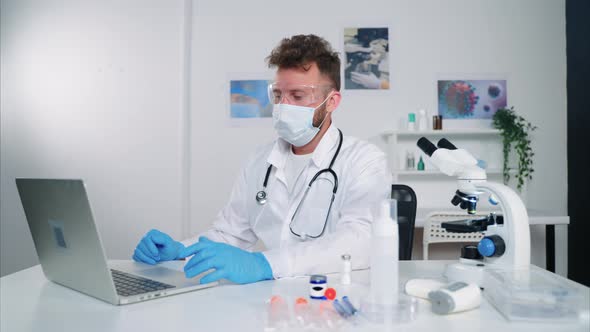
(297, 94)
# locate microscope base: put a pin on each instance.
(468, 273)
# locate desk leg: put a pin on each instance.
(538, 246)
(550, 247)
(561, 250)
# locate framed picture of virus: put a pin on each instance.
(471, 99)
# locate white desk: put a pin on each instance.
(535, 217)
(31, 303)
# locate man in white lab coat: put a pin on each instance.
(305, 228)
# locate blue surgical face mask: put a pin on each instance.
(294, 123)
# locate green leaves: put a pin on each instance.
(514, 130)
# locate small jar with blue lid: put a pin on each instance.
(317, 286)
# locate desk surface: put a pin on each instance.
(31, 303)
(535, 217)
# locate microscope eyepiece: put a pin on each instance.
(425, 145)
(445, 144)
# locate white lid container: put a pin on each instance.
(536, 295)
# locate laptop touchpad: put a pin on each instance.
(159, 272)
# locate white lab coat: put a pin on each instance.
(364, 181)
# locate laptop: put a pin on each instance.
(71, 253)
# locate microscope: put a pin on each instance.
(506, 243)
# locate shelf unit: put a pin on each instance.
(437, 172)
(432, 186)
(395, 138)
(445, 132)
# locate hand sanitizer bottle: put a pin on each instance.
(384, 256)
(383, 303)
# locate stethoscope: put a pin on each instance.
(262, 196)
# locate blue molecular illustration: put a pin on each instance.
(457, 100)
(471, 99)
(494, 90)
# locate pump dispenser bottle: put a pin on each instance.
(384, 255)
(383, 303)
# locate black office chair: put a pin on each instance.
(406, 218)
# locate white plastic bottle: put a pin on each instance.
(384, 256)
(411, 122)
(422, 120)
(346, 278)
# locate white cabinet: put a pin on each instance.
(434, 188)
(482, 143)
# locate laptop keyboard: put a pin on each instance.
(129, 284)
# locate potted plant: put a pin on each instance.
(515, 130)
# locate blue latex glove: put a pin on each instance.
(156, 246)
(229, 262)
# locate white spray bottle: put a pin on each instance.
(384, 256)
(383, 303)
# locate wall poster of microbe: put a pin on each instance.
(471, 99)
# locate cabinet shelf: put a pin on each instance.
(484, 143)
(445, 132)
(433, 172)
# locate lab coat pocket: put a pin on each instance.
(268, 225)
(313, 213)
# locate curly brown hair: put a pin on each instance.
(301, 50)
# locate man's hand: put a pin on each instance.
(155, 247)
(353, 48)
(367, 80)
(229, 262)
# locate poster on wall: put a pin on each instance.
(471, 99)
(366, 58)
(249, 99)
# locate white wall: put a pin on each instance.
(93, 90)
(522, 41)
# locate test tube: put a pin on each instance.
(346, 278)
(357, 317)
(302, 311)
(341, 309)
(278, 315)
(347, 305)
(327, 316)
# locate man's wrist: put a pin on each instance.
(264, 265)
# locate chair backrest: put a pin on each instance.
(406, 218)
(434, 233)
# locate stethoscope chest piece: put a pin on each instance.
(261, 197)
